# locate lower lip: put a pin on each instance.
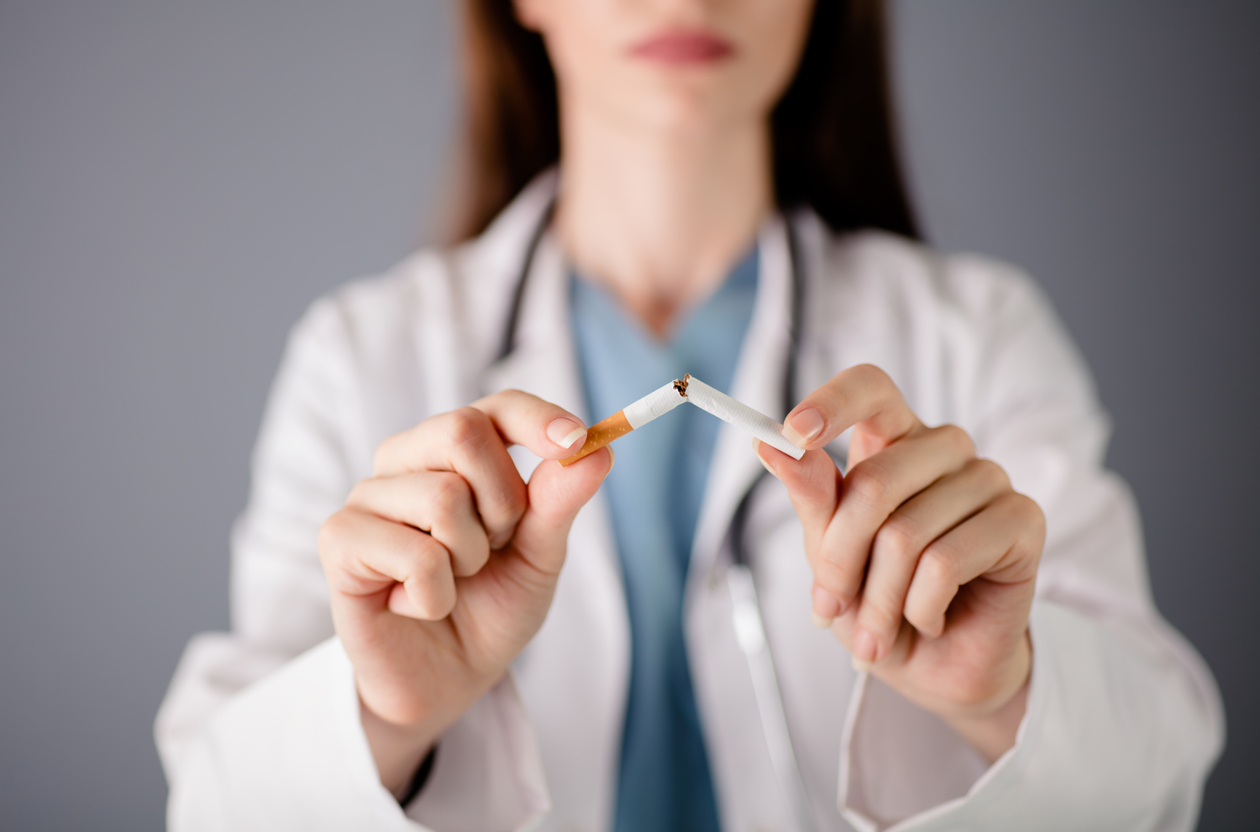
(683, 49)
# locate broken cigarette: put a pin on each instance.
(739, 414)
(654, 404)
(666, 398)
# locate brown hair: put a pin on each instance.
(834, 140)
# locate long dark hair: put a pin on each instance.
(833, 132)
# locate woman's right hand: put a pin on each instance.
(442, 566)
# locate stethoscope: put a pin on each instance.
(750, 632)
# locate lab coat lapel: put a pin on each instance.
(544, 360)
(586, 638)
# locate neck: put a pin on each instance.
(656, 219)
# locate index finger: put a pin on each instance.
(862, 395)
(518, 418)
(473, 441)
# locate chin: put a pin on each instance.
(687, 110)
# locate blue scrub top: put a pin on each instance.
(654, 494)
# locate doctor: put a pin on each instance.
(436, 626)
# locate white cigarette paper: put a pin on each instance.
(738, 414)
(653, 405)
(636, 415)
(666, 398)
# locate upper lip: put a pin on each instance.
(683, 46)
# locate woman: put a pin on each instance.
(513, 646)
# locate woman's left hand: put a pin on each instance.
(924, 557)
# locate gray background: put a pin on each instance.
(178, 180)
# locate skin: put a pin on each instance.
(667, 168)
(443, 564)
(924, 557)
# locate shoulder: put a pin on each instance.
(963, 333)
(885, 268)
(363, 313)
(461, 291)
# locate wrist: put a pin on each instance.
(398, 750)
(991, 728)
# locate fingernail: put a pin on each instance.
(501, 540)
(802, 427)
(865, 651)
(564, 432)
(826, 606)
(819, 621)
(612, 458)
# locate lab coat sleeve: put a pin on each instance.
(1124, 720)
(260, 728)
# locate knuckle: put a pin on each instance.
(331, 534)
(880, 614)
(872, 374)
(990, 474)
(877, 383)
(869, 483)
(923, 620)
(444, 606)
(838, 578)
(436, 600)
(942, 563)
(1035, 518)
(476, 556)
(384, 452)
(448, 494)
(900, 537)
(513, 394)
(359, 493)
(1027, 513)
(959, 440)
(466, 426)
(429, 561)
(512, 499)
(335, 542)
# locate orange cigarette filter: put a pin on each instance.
(636, 415)
(599, 435)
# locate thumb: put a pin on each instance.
(556, 494)
(813, 484)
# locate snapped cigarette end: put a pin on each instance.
(599, 435)
(739, 414)
(637, 414)
(666, 398)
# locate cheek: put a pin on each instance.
(583, 40)
(775, 32)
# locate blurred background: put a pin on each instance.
(179, 180)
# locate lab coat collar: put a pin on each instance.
(544, 359)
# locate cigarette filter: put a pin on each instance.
(738, 414)
(636, 415)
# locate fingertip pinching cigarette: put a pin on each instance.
(636, 415)
(739, 414)
(666, 398)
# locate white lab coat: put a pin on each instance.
(260, 728)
